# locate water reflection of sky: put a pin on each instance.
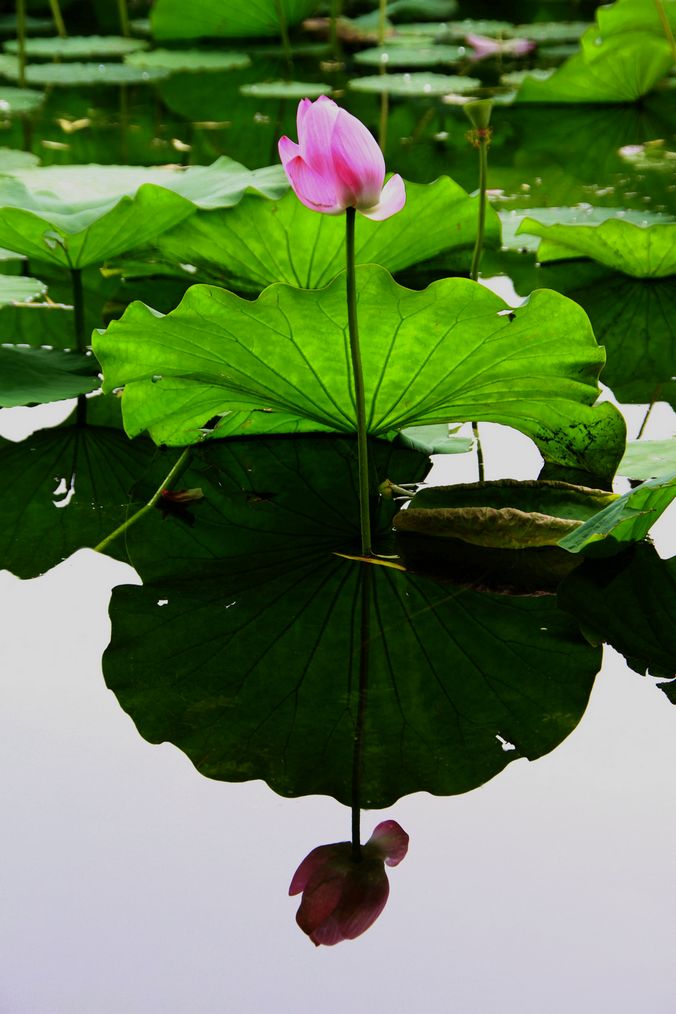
(132, 884)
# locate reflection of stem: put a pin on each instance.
(284, 32)
(479, 450)
(366, 578)
(125, 27)
(476, 260)
(359, 394)
(79, 326)
(656, 397)
(57, 18)
(21, 40)
(662, 14)
(179, 467)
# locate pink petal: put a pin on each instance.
(358, 162)
(315, 127)
(313, 189)
(519, 47)
(288, 149)
(389, 841)
(483, 45)
(319, 904)
(364, 892)
(315, 861)
(392, 200)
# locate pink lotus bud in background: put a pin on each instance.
(337, 164)
(342, 896)
(483, 46)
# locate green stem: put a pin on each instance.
(21, 40)
(79, 328)
(382, 21)
(179, 467)
(656, 396)
(666, 26)
(125, 27)
(483, 175)
(359, 393)
(284, 32)
(57, 18)
(384, 115)
(336, 10)
(364, 645)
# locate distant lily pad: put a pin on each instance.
(14, 158)
(19, 100)
(295, 90)
(420, 85)
(480, 26)
(552, 32)
(425, 9)
(76, 73)
(189, 59)
(407, 56)
(77, 47)
(19, 289)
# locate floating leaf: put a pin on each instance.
(418, 85)
(11, 158)
(549, 33)
(35, 376)
(77, 47)
(431, 10)
(76, 73)
(14, 101)
(172, 19)
(647, 459)
(408, 56)
(262, 242)
(641, 251)
(628, 519)
(189, 59)
(452, 352)
(479, 26)
(20, 289)
(295, 90)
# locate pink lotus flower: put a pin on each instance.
(342, 896)
(483, 46)
(337, 164)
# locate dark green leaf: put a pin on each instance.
(628, 519)
(35, 376)
(173, 19)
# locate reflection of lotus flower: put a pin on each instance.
(337, 164)
(483, 46)
(342, 896)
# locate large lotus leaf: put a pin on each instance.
(261, 242)
(640, 251)
(622, 68)
(77, 47)
(69, 488)
(220, 185)
(635, 16)
(514, 237)
(81, 215)
(628, 519)
(452, 352)
(173, 19)
(249, 651)
(627, 600)
(35, 376)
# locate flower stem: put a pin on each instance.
(382, 21)
(483, 174)
(662, 14)
(359, 394)
(479, 451)
(284, 33)
(21, 40)
(125, 27)
(57, 18)
(179, 467)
